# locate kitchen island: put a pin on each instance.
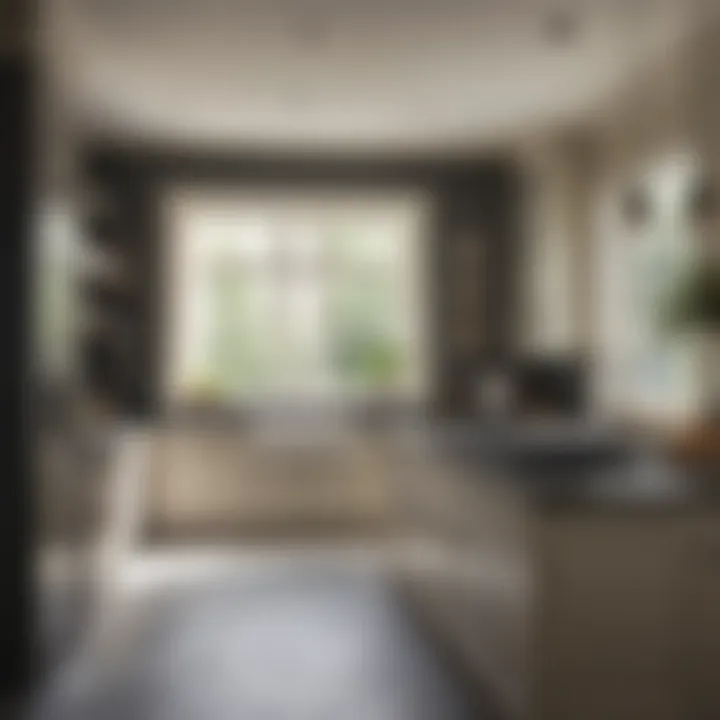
(576, 576)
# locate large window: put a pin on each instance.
(276, 295)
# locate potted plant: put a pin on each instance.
(694, 307)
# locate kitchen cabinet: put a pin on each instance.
(564, 605)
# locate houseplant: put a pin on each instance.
(694, 307)
(694, 303)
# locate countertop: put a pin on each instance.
(570, 467)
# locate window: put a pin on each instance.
(274, 295)
(646, 370)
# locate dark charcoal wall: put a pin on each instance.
(17, 83)
(476, 199)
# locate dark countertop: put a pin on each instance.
(572, 467)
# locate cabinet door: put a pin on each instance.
(611, 618)
(704, 621)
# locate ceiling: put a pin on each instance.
(350, 74)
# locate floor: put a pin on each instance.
(276, 636)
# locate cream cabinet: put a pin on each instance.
(567, 612)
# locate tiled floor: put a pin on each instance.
(297, 638)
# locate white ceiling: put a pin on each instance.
(363, 74)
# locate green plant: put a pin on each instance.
(370, 358)
(694, 303)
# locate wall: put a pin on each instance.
(17, 88)
(478, 200)
(556, 313)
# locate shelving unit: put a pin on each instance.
(108, 299)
